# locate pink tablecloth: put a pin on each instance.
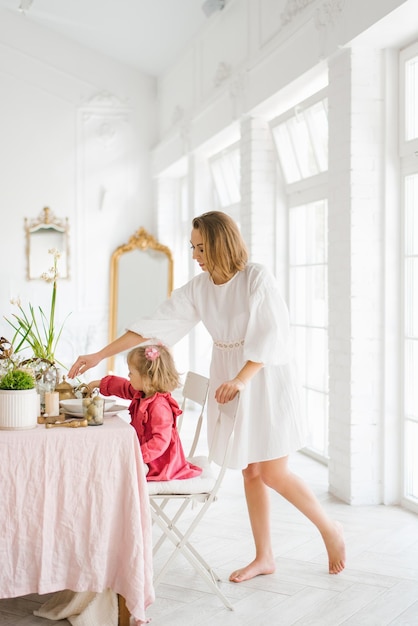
(74, 513)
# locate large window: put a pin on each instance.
(408, 149)
(301, 139)
(225, 170)
(309, 314)
(411, 337)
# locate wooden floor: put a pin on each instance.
(378, 587)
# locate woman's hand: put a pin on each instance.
(227, 391)
(83, 364)
(126, 341)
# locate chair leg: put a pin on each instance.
(196, 560)
(169, 524)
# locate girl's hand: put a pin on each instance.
(227, 391)
(94, 384)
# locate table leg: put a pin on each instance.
(124, 615)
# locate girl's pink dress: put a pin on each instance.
(154, 419)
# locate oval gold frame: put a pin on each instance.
(140, 240)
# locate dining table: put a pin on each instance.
(74, 514)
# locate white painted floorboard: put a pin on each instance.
(379, 586)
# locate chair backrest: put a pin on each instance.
(195, 390)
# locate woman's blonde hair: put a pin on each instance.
(224, 247)
(155, 365)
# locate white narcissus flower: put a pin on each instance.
(34, 328)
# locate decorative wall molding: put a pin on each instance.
(328, 13)
(223, 72)
(325, 14)
(181, 122)
(238, 92)
(177, 115)
(104, 176)
(109, 111)
(293, 8)
(104, 100)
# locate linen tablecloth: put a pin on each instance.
(74, 513)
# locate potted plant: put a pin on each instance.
(34, 329)
(19, 401)
(37, 335)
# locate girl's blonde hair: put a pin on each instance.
(224, 247)
(155, 365)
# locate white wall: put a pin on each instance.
(256, 59)
(74, 124)
(248, 56)
(76, 130)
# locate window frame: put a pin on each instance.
(406, 147)
(408, 152)
(303, 192)
(304, 181)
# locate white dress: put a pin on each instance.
(248, 321)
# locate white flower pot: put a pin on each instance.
(18, 409)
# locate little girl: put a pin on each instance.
(152, 376)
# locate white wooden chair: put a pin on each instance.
(193, 494)
(195, 394)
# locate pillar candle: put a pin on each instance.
(52, 402)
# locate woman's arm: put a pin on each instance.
(228, 390)
(85, 362)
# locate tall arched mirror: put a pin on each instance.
(141, 277)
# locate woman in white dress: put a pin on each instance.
(240, 305)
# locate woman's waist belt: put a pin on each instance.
(229, 345)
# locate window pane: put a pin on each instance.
(299, 344)
(225, 169)
(229, 164)
(317, 359)
(411, 99)
(297, 295)
(298, 130)
(308, 295)
(316, 280)
(308, 233)
(320, 231)
(411, 460)
(220, 184)
(411, 298)
(297, 236)
(317, 415)
(411, 334)
(411, 214)
(317, 120)
(411, 387)
(286, 154)
(308, 306)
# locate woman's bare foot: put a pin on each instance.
(253, 569)
(335, 545)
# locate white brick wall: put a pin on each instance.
(258, 176)
(355, 267)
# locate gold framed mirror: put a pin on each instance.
(141, 277)
(44, 233)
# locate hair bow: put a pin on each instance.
(151, 353)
